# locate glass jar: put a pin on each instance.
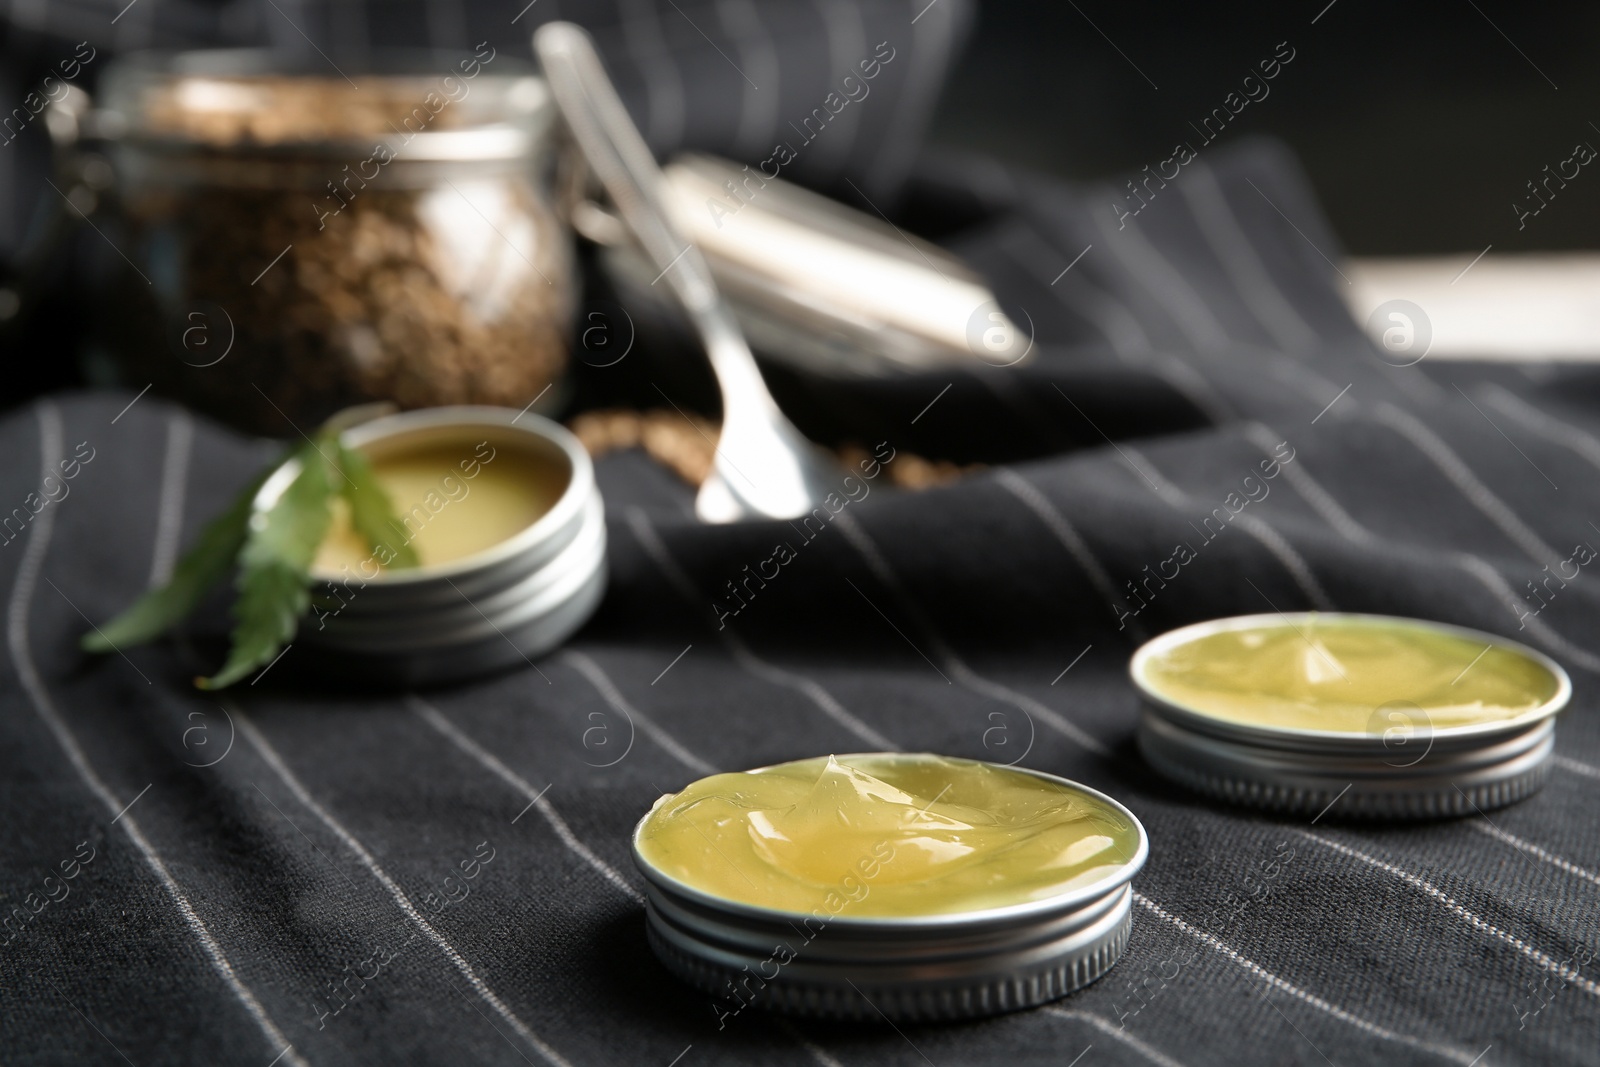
(296, 241)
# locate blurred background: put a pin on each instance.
(1418, 124)
(1422, 128)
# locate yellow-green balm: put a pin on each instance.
(887, 835)
(1337, 673)
(1360, 716)
(452, 500)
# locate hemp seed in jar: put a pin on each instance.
(300, 243)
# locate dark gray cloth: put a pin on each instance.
(992, 618)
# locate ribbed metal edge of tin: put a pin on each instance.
(864, 996)
(508, 646)
(524, 597)
(1391, 796)
(1462, 769)
(500, 607)
(938, 966)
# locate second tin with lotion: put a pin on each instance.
(1369, 716)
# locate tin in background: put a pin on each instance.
(483, 613)
(1437, 773)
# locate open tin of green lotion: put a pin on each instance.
(509, 528)
(888, 885)
(1391, 718)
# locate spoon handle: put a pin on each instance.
(626, 168)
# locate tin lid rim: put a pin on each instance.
(1068, 901)
(527, 122)
(1163, 704)
(580, 486)
(484, 143)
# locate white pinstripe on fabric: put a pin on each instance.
(1107, 315)
(1195, 388)
(169, 513)
(821, 1056)
(644, 34)
(456, 736)
(1478, 494)
(847, 45)
(609, 692)
(1140, 260)
(1321, 501)
(1277, 314)
(1251, 279)
(1418, 387)
(1298, 375)
(932, 38)
(270, 756)
(1122, 331)
(1181, 375)
(431, 715)
(1543, 423)
(1143, 1048)
(1258, 529)
(1461, 476)
(1257, 286)
(28, 571)
(1069, 538)
(1540, 853)
(816, 1052)
(1457, 472)
(1453, 1054)
(1490, 579)
(953, 663)
(1543, 959)
(990, 181)
(758, 108)
(1577, 767)
(1075, 291)
(1364, 1025)
(656, 549)
(1239, 259)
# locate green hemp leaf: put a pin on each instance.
(206, 564)
(274, 551)
(371, 511)
(275, 565)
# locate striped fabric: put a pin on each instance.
(267, 880)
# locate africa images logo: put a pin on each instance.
(1403, 331)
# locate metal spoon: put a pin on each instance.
(764, 467)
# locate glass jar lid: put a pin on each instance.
(408, 105)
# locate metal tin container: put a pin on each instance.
(1411, 771)
(923, 968)
(488, 611)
